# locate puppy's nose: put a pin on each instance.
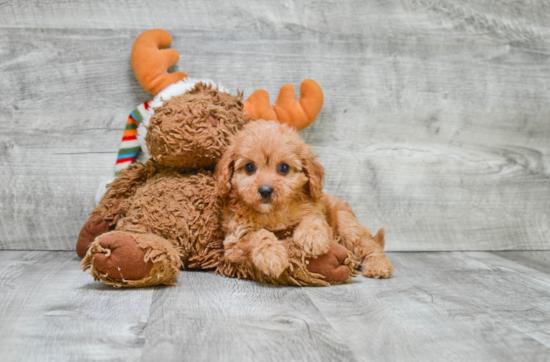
(265, 191)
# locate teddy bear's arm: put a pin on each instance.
(123, 187)
(335, 265)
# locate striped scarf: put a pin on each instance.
(130, 146)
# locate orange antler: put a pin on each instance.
(287, 109)
(150, 61)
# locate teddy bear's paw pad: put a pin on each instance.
(94, 227)
(331, 265)
(123, 258)
(377, 268)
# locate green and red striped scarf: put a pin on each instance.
(130, 146)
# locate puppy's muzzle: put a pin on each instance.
(265, 192)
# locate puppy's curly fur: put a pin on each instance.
(271, 184)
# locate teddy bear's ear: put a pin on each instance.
(297, 113)
(151, 61)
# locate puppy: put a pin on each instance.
(272, 186)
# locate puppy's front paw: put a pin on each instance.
(270, 256)
(377, 267)
(314, 235)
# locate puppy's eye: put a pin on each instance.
(284, 168)
(250, 168)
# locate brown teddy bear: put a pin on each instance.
(160, 216)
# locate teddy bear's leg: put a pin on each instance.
(370, 250)
(126, 259)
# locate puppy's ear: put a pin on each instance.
(315, 174)
(224, 173)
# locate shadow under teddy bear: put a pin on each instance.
(160, 216)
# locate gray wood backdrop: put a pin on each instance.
(436, 122)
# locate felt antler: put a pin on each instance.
(298, 113)
(150, 61)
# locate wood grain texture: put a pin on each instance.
(435, 124)
(51, 312)
(531, 259)
(460, 306)
(211, 318)
(519, 18)
(444, 306)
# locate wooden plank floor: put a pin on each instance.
(463, 306)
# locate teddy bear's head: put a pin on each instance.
(193, 129)
(193, 121)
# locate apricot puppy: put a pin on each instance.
(272, 191)
(271, 183)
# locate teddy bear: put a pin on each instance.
(163, 215)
